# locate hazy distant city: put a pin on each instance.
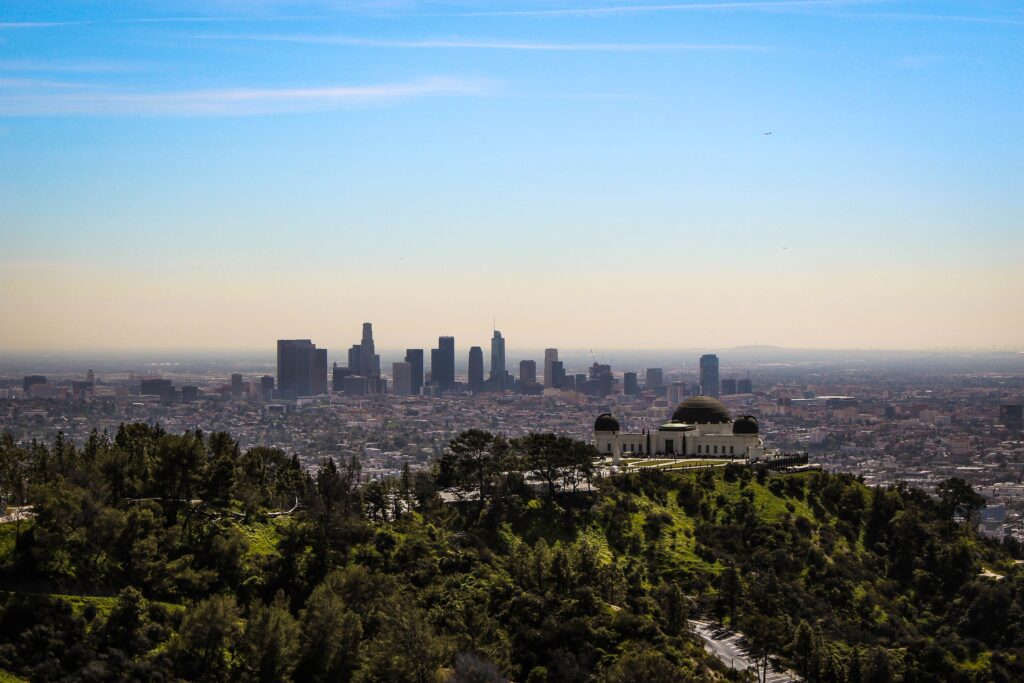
(887, 417)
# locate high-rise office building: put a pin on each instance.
(30, 380)
(528, 371)
(497, 357)
(728, 387)
(676, 393)
(601, 380)
(362, 357)
(550, 356)
(401, 377)
(654, 379)
(338, 375)
(709, 382)
(414, 357)
(301, 368)
(236, 384)
(267, 387)
(189, 393)
(368, 355)
(318, 383)
(442, 363)
(630, 385)
(745, 386)
(557, 374)
(355, 362)
(153, 386)
(1011, 415)
(476, 369)
(354, 385)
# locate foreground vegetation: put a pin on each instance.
(178, 557)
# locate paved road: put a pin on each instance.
(728, 647)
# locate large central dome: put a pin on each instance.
(701, 410)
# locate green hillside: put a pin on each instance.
(160, 557)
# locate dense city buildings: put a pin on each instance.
(709, 383)
(887, 423)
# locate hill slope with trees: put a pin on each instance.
(155, 556)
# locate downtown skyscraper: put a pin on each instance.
(550, 356)
(709, 382)
(442, 363)
(476, 369)
(414, 357)
(498, 360)
(362, 357)
(301, 368)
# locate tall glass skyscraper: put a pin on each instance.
(550, 356)
(442, 363)
(476, 369)
(709, 382)
(414, 357)
(497, 356)
(301, 368)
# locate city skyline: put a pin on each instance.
(781, 173)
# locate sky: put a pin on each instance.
(601, 174)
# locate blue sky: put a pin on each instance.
(431, 165)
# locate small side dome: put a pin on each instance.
(606, 423)
(746, 424)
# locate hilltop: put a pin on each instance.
(179, 557)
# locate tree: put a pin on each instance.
(329, 638)
(124, 627)
(545, 455)
(405, 651)
(645, 665)
(673, 608)
(476, 455)
(200, 650)
(267, 648)
(956, 496)
(730, 590)
(803, 647)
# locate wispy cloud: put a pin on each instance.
(474, 44)
(751, 5)
(69, 67)
(230, 102)
(37, 83)
(1016, 20)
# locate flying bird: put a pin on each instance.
(768, 133)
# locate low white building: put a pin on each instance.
(701, 427)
